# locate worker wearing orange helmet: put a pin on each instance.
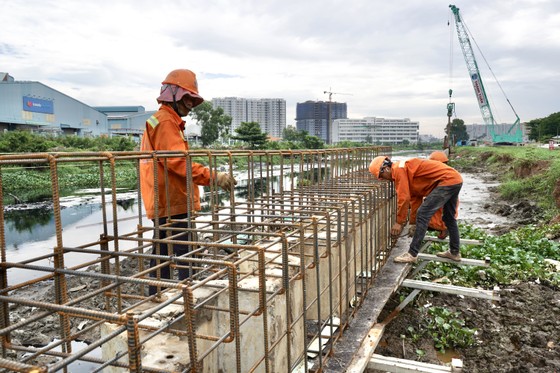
(439, 156)
(431, 185)
(164, 132)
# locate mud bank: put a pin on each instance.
(520, 333)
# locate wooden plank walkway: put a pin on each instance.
(354, 350)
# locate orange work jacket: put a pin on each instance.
(164, 132)
(415, 179)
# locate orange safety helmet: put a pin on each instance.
(376, 164)
(439, 156)
(186, 81)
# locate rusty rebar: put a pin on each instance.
(298, 213)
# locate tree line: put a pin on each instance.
(215, 127)
(544, 128)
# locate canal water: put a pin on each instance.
(30, 229)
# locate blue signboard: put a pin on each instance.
(37, 105)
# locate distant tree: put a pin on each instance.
(214, 124)
(24, 142)
(250, 133)
(313, 142)
(369, 139)
(458, 130)
(544, 128)
(292, 134)
(299, 139)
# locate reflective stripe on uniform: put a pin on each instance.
(401, 164)
(153, 121)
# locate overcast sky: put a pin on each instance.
(390, 59)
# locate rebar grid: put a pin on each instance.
(274, 264)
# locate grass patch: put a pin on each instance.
(524, 172)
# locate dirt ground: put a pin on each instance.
(519, 333)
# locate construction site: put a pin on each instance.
(278, 275)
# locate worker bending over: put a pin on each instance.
(436, 222)
(415, 179)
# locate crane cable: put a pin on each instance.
(450, 59)
(489, 68)
(451, 37)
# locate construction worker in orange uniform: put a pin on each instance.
(164, 132)
(431, 185)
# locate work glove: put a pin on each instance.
(411, 230)
(225, 181)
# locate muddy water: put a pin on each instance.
(475, 193)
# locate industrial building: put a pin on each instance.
(36, 107)
(269, 113)
(126, 120)
(314, 116)
(373, 130)
(33, 106)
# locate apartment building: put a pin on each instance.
(270, 113)
(313, 117)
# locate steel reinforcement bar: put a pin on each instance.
(276, 268)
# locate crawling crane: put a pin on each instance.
(514, 133)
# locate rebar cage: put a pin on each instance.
(278, 266)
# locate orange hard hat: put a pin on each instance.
(439, 156)
(375, 165)
(186, 80)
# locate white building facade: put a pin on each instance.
(269, 113)
(375, 130)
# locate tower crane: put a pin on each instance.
(329, 121)
(514, 133)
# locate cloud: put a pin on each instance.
(396, 60)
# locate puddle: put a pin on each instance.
(474, 195)
(447, 356)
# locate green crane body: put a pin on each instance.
(514, 133)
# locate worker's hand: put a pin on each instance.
(396, 229)
(411, 230)
(225, 181)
